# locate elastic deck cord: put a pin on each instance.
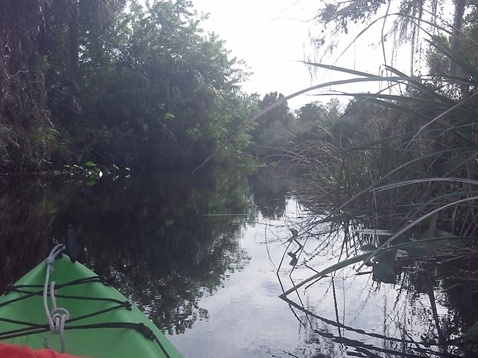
(57, 316)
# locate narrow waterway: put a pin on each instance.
(245, 317)
(342, 315)
(206, 257)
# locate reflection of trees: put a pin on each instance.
(154, 235)
(155, 238)
(429, 311)
(271, 186)
(329, 334)
(391, 346)
(26, 212)
(458, 279)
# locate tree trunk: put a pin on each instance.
(456, 34)
(73, 57)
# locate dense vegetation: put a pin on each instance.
(408, 151)
(396, 170)
(119, 84)
(113, 82)
(116, 83)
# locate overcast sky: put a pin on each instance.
(270, 35)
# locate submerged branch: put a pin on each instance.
(323, 273)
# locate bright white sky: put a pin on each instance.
(271, 36)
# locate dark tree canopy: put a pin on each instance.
(87, 80)
(25, 128)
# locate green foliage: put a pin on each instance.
(165, 80)
(143, 87)
(405, 156)
(272, 130)
(25, 128)
(403, 159)
(314, 119)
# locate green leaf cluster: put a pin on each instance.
(140, 86)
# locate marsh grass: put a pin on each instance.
(401, 161)
(406, 155)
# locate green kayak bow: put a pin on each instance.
(63, 305)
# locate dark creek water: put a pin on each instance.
(207, 256)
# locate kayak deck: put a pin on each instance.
(102, 322)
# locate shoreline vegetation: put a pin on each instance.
(89, 87)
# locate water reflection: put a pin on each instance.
(379, 312)
(26, 214)
(207, 257)
(271, 187)
(166, 238)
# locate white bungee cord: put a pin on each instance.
(57, 316)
